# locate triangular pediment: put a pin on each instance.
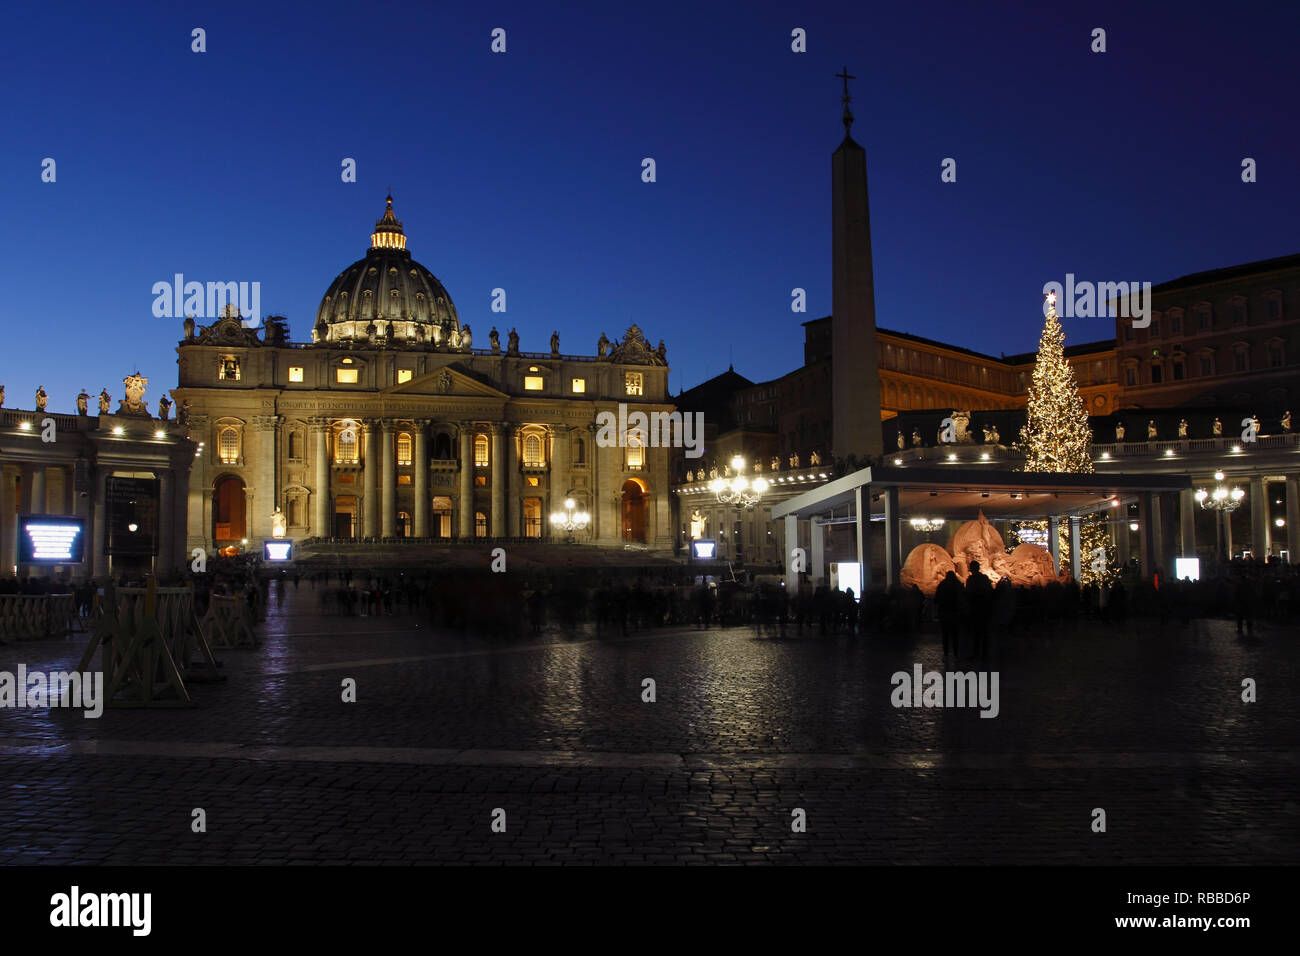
(447, 380)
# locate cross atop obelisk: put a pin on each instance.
(845, 75)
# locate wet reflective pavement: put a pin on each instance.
(1144, 722)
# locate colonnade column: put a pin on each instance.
(1259, 529)
(498, 529)
(1076, 563)
(164, 558)
(268, 429)
(893, 528)
(421, 449)
(1187, 523)
(320, 427)
(8, 511)
(101, 537)
(465, 499)
(370, 480)
(388, 523)
(37, 500)
(1293, 518)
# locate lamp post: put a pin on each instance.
(1222, 501)
(740, 492)
(570, 519)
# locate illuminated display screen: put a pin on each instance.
(131, 516)
(48, 539)
(704, 549)
(1187, 568)
(278, 550)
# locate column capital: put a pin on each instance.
(267, 422)
(318, 423)
(388, 425)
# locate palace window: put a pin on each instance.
(403, 448)
(1207, 364)
(1275, 306)
(533, 383)
(345, 376)
(1239, 313)
(295, 373)
(1179, 370)
(229, 369)
(403, 524)
(1130, 377)
(1176, 322)
(533, 451)
(480, 451)
(480, 525)
(1241, 358)
(405, 375)
(633, 383)
(228, 445)
(1202, 318)
(1276, 354)
(532, 517)
(579, 385)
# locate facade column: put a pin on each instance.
(862, 537)
(268, 433)
(370, 480)
(1122, 552)
(498, 463)
(1293, 518)
(558, 460)
(465, 500)
(515, 482)
(790, 543)
(421, 516)
(1054, 541)
(1259, 529)
(388, 522)
(320, 427)
(100, 511)
(593, 484)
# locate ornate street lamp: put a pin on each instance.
(1222, 501)
(1221, 498)
(739, 491)
(570, 519)
(927, 525)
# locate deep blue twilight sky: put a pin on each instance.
(523, 170)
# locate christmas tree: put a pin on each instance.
(1056, 438)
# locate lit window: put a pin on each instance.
(345, 446)
(632, 383)
(480, 451)
(295, 373)
(579, 385)
(345, 376)
(405, 375)
(480, 481)
(229, 370)
(403, 479)
(533, 481)
(532, 517)
(533, 383)
(403, 448)
(228, 445)
(403, 524)
(635, 453)
(533, 450)
(480, 525)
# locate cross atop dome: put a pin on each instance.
(846, 98)
(388, 232)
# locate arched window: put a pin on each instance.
(345, 446)
(403, 524)
(442, 447)
(532, 450)
(480, 451)
(403, 448)
(635, 452)
(228, 445)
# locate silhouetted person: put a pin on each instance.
(948, 598)
(979, 608)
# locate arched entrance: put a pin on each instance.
(228, 511)
(634, 510)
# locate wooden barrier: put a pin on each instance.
(150, 637)
(35, 616)
(228, 623)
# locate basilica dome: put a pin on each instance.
(386, 297)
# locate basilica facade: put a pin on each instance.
(397, 421)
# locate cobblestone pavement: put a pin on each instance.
(1144, 722)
